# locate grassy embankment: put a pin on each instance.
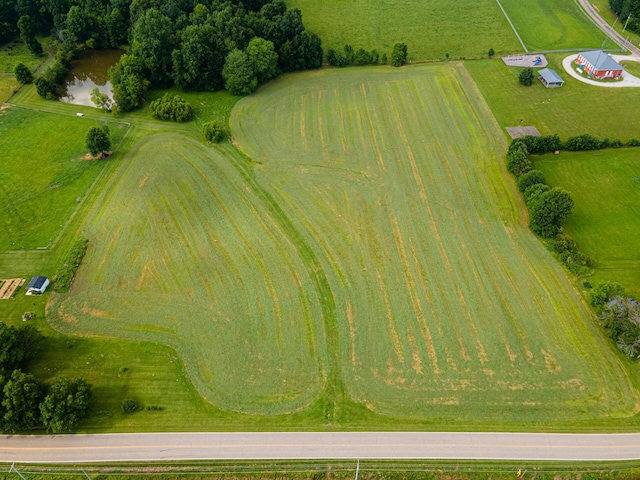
(322, 274)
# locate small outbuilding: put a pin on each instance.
(550, 78)
(37, 285)
(599, 64)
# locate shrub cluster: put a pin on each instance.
(22, 73)
(171, 107)
(567, 251)
(349, 56)
(47, 84)
(214, 132)
(64, 276)
(619, 316)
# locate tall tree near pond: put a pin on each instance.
(263, 57)
(117, 28)
(8, 19)
(199, 60)
(238, 73)
(28, 34)
(153, 43)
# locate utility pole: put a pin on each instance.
(626, 23)
(14, 469)
(357, 469)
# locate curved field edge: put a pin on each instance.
(183, 253)
(446, 305)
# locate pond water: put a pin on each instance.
(88, 71)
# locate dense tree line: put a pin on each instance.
(25, 403)
(186, 43)
(624, 8)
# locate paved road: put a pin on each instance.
(606, 28)
(381, 445)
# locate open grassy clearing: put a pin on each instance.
(605, 186)
(632, 67)
(430, 29)
(182, 252)
(44, 175)
(446, 305)
(559, 24)
(571, 110)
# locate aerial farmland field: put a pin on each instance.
(370, 250)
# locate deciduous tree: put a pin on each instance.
(22, 396)
(66, 403)
(547, 214)
(238, 73)
(98, 140)
(399, 55)
(22, 73)
(264, 59)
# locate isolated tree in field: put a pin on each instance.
(547, 214)
(98, 140)
(213, 132)
(153, 44)
(101, 100)
(66, 403)
(22, 396)
(239, 76)
(264, 59)
(22, 73)
(526, 77)
(399, 55)
(11, 352)
(28, 34)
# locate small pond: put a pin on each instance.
(88, 71)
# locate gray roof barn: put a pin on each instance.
(550, 78)
(601, 60)
(37, 284)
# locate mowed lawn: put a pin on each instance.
(559, 24)
(574, 109)
(605, 186)
(445, 305)
(430, 29)
(186, 251)
(43, 175)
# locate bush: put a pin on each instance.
(621, 320)
(336, 59)
(171, 107)
(518, 161)
(604, 292)
(548, 212)
(532, 177)
(541, 144)
(399, 54)
(22, 73)
(491, 52)
(568, 253)
(633, 142)
(64, 276)
(582, 142)
(526, 77)
(129, 406)
(533, 193)
(617, 143)
(213, 132)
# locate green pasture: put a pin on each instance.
(16, 51)
(605, 186)
(44, 175)
(430, 29)
(559, 24)
(372, 251)
(572, 109)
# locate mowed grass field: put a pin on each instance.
(373, 252)
(187, 251)
(545, 25)
(605, 186)
(430, 29)
(571, 110)
(43, 175)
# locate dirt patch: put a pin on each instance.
(9, 287)
(4, 106)
(517, 132)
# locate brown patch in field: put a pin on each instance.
(143, 277)
(391, 325)
(55, 185)
(512, 386)
(112, 241)
(352, 334)
(303, 124)
(4, 106)
(143, 180)
(488, 372)
(511, 353)
(553, 366)
(573, 384)
(94, 312)
(416, 360)
(8, 287)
